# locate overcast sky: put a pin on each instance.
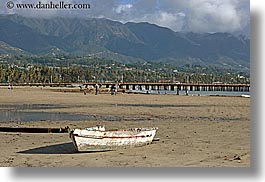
(179, 15)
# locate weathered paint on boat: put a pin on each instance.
(98, 139)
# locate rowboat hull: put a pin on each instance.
(95, 140)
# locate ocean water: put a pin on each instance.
(40, 112)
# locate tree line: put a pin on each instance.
(77, 74)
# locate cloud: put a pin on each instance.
(174, 21)
(179, 15)
(123, 8)
(216, 15)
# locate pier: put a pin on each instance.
(186, 87)
(147, 86)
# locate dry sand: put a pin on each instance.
(193, 131)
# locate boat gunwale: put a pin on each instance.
(117, 130)
(114, 137)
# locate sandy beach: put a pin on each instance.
(194, 131)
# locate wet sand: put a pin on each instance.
(194, 131)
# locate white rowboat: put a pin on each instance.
(246, 96)
(98, 139)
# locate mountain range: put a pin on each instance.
(124, 42)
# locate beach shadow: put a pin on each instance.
(64, 148)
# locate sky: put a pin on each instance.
(178, 15)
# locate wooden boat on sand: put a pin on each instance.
(98, 139)
(246, 96)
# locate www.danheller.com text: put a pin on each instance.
(49, 5)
